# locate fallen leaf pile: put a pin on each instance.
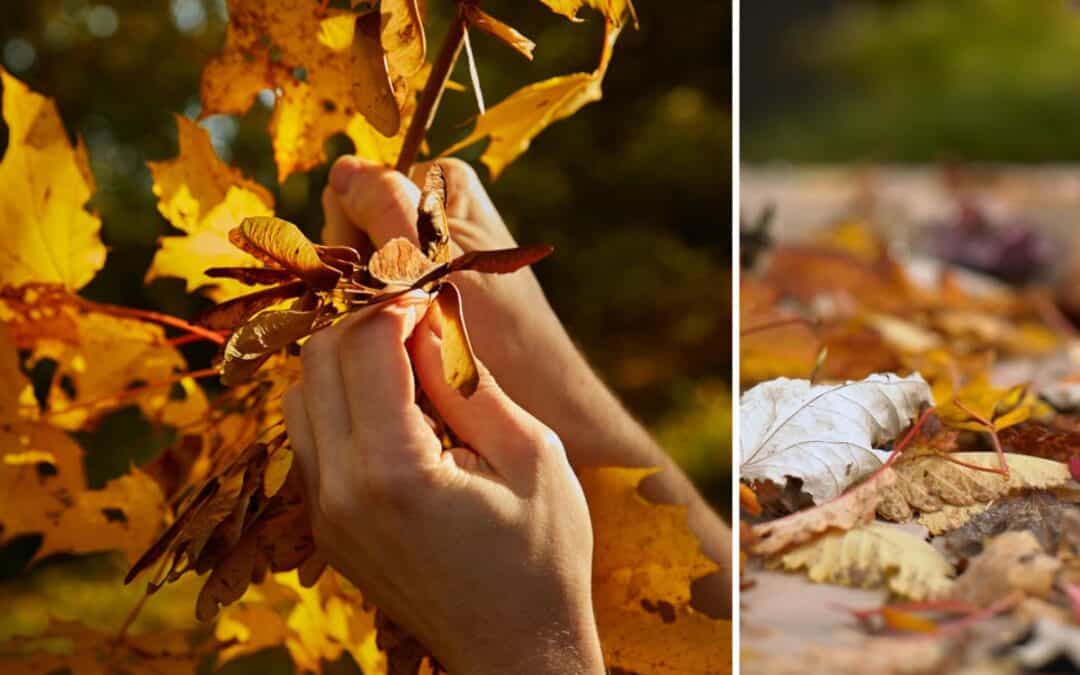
(213, 525)
(884, 446)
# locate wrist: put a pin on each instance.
(568, 647)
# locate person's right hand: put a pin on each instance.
(512, 327)
(482, 553)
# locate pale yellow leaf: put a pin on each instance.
(872, 556)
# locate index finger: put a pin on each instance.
(387, 426)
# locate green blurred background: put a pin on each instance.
(634, 191)
(910, 80)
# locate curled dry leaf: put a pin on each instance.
(253, 342)
(855, 507)
(280, 243)
(874, 555)
(432, 226)
(931, 483)
(615, 11)
(824, 434)
(251, 276)
(402, 36)
(372, 87)
(458, 359)
(502, 261)
(481, 20)
(231, 314)
(229, 579)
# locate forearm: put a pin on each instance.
(598, 431)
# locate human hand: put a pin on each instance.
(515, 331)
(483, 554)
(512, 327)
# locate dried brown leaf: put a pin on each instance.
(228, 315)
(399, 263)
(258, 338)
(281, 243)
(480, 19)
(503, 261)
(252, 276)
(432, 225)
(372, 87)
(853, 508)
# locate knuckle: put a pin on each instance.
(459, 173)
(545, 442)
(391, 190)
(461, 182)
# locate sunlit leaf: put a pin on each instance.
(48, 235)
(515, 121)
(458, 359)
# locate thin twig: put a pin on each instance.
(156, 317)
(432, 93)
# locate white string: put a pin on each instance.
(473, 74)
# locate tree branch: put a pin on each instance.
(432, 93)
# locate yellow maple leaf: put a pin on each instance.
(205, 198)
(874, 555)
(644, 560)
(43, 466)
(45, 183)
(979, 401)
(307, 56)
(102, 361)
(316, 624)
(516, 120)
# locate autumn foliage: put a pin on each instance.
(909, 428)
(214, 526)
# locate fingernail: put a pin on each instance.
(414, 305)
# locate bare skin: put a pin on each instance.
(369, 455)
(483, 554)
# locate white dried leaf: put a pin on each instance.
(824, 434)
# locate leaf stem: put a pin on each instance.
(432, 93)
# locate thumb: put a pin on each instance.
(375, 199)
(510, 439)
